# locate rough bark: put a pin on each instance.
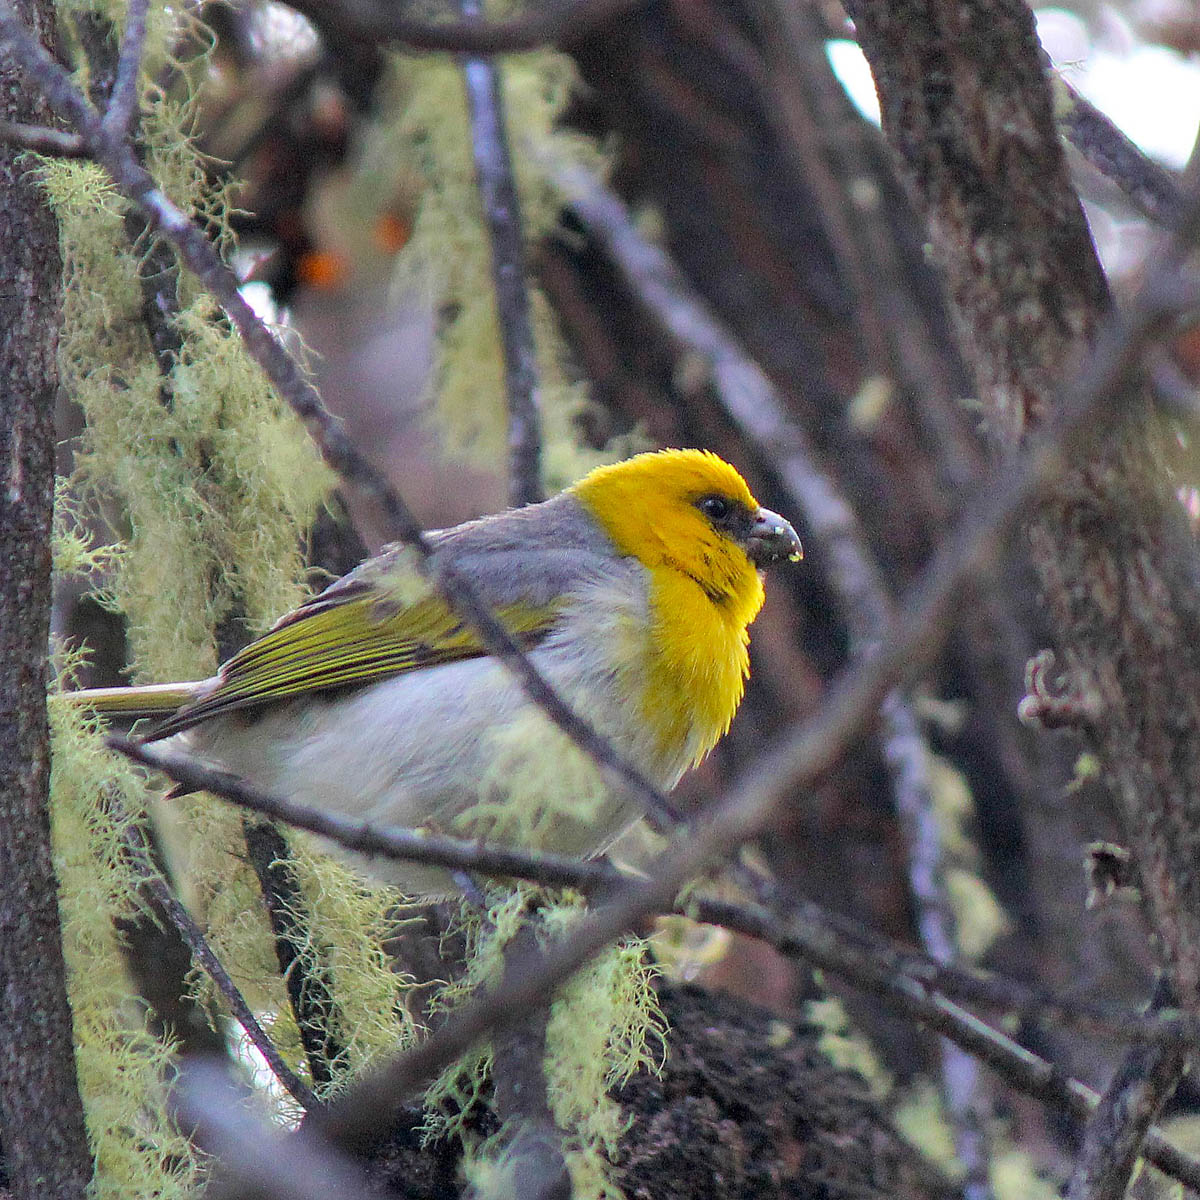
(41, 1116)
(967, 108)
(746, 1106)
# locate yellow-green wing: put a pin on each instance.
(347, 638)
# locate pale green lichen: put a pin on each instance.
(537, 782)
(122, 1064)
(448, 257)
(604, 1025)
(920, 1118)
(1014, 1175)
(979, 918)
(212, 483)
(350, 918)
(845, 1046)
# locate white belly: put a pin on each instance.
(459, 749)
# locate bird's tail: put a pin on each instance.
(131, 703)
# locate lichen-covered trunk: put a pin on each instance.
(43, 1144)
(966, 105)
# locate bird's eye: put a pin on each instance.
(715, 508)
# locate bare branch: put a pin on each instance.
(1019, 1067)
(558, 23)
(837, 944)
(453, 854)
(502, 218)
(1133, 1099)
(1150, 187)
(122, 104)
(135, 841)
(55, 143)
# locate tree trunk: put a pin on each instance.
(45, 1149)
(967, 107)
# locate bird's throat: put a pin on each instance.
(699, 662)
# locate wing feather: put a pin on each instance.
(347, 638)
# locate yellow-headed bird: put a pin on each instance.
(632, 593)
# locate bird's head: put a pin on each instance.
(690, 511)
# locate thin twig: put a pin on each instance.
(1152, 189)
(453, 854)
(559, 23)
(139, 849)
(198, 254)
(907, 759)
(55, 143)
(122, 104)
(502, 218)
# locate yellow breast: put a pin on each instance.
(698, 663)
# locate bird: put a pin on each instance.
(632, 592)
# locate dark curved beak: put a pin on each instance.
(771, 539)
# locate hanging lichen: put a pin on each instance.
(604, 1025)
(448, 259)
(212, 483)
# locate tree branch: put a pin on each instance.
(1150, 187)
(265, 1162)
(502, 219)
(1132, 1101)
(369, 21)
(135, 841)
(519, 1079)
(122, 104)
(42, 140)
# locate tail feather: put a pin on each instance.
(130, 703)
